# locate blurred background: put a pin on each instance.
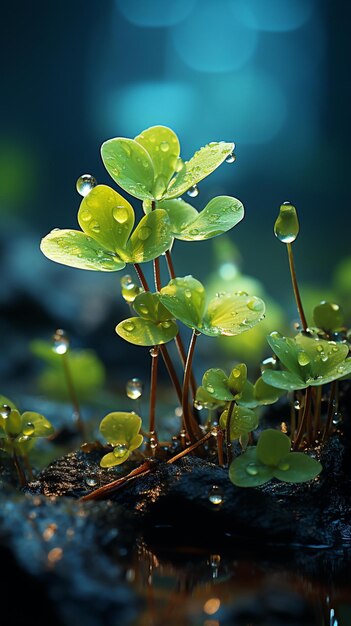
(271, 75)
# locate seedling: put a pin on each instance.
(121, 431)
(271, 458)
(18, 433)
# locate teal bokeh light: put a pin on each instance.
(273, 15)
(155, 13)
(211, 39)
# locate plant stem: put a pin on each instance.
(19, 470)
(188, 425)
(296, 288)
(227, 432)
(189, 448)
(153, 388)
(331, 409)
(317, 411)
(171, 371)
(28, 466)
(170, 265)
(106, 490)
(304, 419)
(72, 392)
(220, 447)
(141, 277)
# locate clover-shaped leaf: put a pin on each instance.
(106, 243)
(226, 314)
(243, 421)
(121, 430)
(205, 400)
(309, 361)
(223, 387)
(218, 216)
(149, 168)
(18, 432)
(155, 325)
(271, 458)
(328, 316)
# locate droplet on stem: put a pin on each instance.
(286, 227)
(60, 342)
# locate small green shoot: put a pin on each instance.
(155, 325)
(271, 458)
(121, 431)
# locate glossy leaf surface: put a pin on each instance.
(130, 166)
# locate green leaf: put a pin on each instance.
(42, 426)
(8, 402)
(243, 421)
(110, 460)
(297, 467)
(149, 306)
(163, 147)
(76, 249)
(107, 217)
(328, 316)
(247, 471)
(283, 380)
(272, 446)
(237, 379)
(130, 166)
(13, 424)
(247, 396)
(203, 163)
(120, 427)
(215, 382)
(5, 401)
(150, 239)
(180, 214)
(220, 215)
(286, 351)
(185, 299)
(266, 394)
(232, 314)
(144, 332)
(206, 400)
(323, 356)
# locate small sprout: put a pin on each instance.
(106, 242)
(227, 314)
(328, 316)
(121, 431)
(271, 458)
(286, 227)
(309, 361)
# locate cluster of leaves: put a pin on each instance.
(18, 432)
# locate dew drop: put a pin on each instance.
(187, 293)
(166, 324)
(144, 233)
(337, 418)
(254, 305)
(128, 326)
(269, 364)
(60, 342)
(252, 469)
(95, 227)
(230, 158)
(303, 359)
(286, 227)
(119, 450)
(215, 495)
(297, 405)
(340, 369)
(153, 443)
(210, 388)
(5, 411)
(319, 348)
(193, 232)
(236, 373)
(198, 405)
(324, 358)
(28, 429)
(85, 215)
(164, 146)
(120, 214)
(129, 289)
(334, 349)
(179, 164)
(193, 191)
(241, 293)
(134, 388)
(85, 184)
(153, 352)
(143, 309)
(283, 466)
(91, 482)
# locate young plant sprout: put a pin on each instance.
(150, 168)
(18, 434)
(271, 458)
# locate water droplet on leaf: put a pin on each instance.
(252, 469)
(297, 405)
(270, 363)
(5, 411)
(119, 450)
(85, 183)
(230, 158)
(210, 388)
(164, 146)
(28, 429)
(187, 293)
(134, 388)
(120, 214)
(303, 358)
(284, 466)
(143, 309)
(254, 305)
(128, 326)
(144, 233)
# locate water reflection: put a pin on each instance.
(191, 587)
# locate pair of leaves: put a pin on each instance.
(106, 242)
(226, 314)
(219, 215)
(155, 325)
(121, 430)
(18, 432)
(243, 421)
(309, 361)
(271, 458)
(149, 167)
